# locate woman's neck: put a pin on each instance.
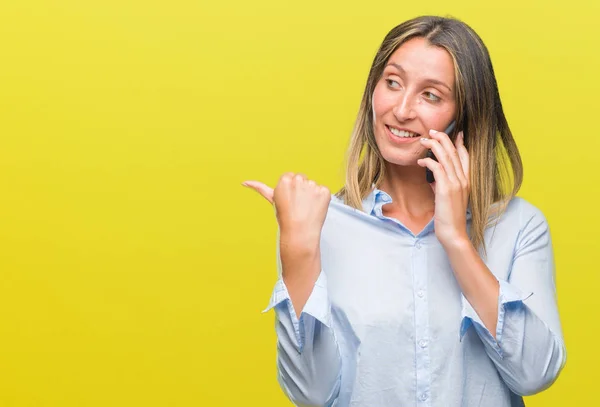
(411, 194)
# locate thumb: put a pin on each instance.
(264, 190)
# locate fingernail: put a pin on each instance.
(424, 138)
(244, 184)
(432, 131)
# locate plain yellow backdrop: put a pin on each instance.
(133, 265)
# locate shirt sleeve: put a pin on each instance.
(529, 350)
(316, 353)
(308, 358)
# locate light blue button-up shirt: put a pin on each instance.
(387, 325)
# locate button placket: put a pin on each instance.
(423, 373)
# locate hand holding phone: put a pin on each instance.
(428, 173)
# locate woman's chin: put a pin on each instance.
(401, 161)
(401, 158)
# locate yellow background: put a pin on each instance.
(133, 265)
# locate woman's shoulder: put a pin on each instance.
(336, 200)
(518, 223)
(341, 215)
(338, 205)
(522, 212)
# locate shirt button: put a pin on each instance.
(424, 396)
(423, 343)
(421, 294)
(418, 245)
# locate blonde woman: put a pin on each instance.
(402, 292)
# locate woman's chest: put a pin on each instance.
(394, 288)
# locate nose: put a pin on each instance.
(404, 108)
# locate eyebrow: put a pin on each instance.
(430, 80)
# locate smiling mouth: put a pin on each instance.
(402, 133)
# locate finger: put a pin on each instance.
(442, 158)
(299, 181)
(452, 152)
(287, 177)
(286, 181)
(325, 191)
(264, 190)
(438, 170)
(300, 177)
(463, 154)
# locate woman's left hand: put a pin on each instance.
(451, 186)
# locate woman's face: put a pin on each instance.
(415, 94)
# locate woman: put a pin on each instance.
(401, 292)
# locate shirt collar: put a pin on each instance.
(374, 202)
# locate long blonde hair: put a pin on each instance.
(496, 170)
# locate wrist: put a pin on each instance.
(301, 243)
(301, 259)
(458, 244)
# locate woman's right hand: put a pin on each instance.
(300, 206)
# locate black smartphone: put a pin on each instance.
(428, 173)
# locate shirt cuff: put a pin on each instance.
(509, 298)
(317, 306)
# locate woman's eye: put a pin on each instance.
(392, 83)
(432, 97)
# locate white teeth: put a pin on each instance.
(402, 133)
